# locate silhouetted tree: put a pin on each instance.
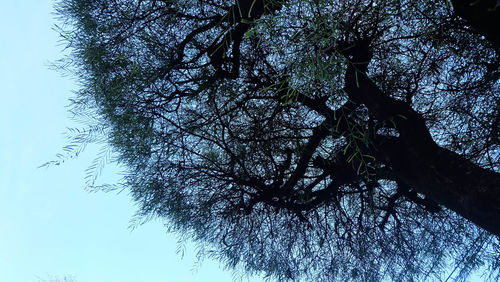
(316, 139)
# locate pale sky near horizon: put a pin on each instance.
(49, 226)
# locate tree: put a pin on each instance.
(329, 140)
(50, 278)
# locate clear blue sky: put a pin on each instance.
(50, 226)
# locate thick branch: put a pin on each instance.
(444, 176)
(319, 133)
(482, 15)
(239, 16)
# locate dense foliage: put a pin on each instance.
(315, 139)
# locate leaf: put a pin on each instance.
(359, 168)
(352, 157)
(250, 32)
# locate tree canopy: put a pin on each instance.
(309, 139)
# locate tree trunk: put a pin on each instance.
(444, 176)
(448, 179)
(482, 15)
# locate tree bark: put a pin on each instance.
(442, 175)
(482, 15)
(448, 179)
